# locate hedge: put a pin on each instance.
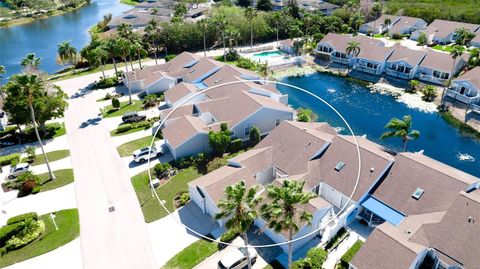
(348, 256)
(22, 217)
(236, 145)
(6, 232)
(6, 160)
(227, 237)
(34, 230)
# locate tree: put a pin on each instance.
(264, 5)
(254, 136)
(151, 37)
(286, 210)
(306, 115)
(263, 70)
(30, 63)
(293, 9)
(474, 59)
(137, 48)
(123, 47)
(111, 48)
(203, 24)
(250, 13)
(124, 30)
(180, 10)
(162, 170)
(29, 87)
(413, 85)
(277, 17)
(67, 54)
(220, 140)
(429, 93)
(239, 208)
(463, 36)
(115, 103)
(353, 48)
(401, 128)
(220, 22)
(244, 3)
(100, 55)
(2, 72)
(422, 38)
(456, 52)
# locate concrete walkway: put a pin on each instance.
(113, 233)
(335, 256)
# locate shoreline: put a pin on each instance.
(27, 20)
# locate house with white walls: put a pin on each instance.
(466, 88)
(371, 58)
(380, 25)
(443, 32)
(403, 62)
(436, 67)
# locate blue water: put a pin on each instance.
(43, 36)
(367, 113)
(262, 56)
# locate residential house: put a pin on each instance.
(436, 67)
(407, 25)
(466, 88)
(139, 18)
(371, 58)
(241, 110)
(404, 62)
(150, 4)
(321, 6)
(429, 211)
(287, 46)
(443, 32)
(378, 26)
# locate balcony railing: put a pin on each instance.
(365, 69)
(398, 74)
(432, 79)
(462, 98)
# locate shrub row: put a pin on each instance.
(313, 260)
(141, 124)
(348, 256)
(107, 82)
(22, 217)
(33, 230)
(227, 237)
(340, 234)
(6, 160)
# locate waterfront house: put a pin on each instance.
(404, 62)
(287, 46)
(150, 4)
(378, 26)
(186, 131)
(407, 25)
(443, 32)
(466, 88)
(423, 211)
(139, 18)
(321, 6)
(476, 40)
(372, 58)
(436, 67)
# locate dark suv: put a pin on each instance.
(130, 117)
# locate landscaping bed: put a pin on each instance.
(11, 135)
(50, 239)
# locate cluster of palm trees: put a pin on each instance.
(284, 209)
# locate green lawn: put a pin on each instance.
(68, 229)
(53, 130)
(129, 2)
(109, 112)
(443, 48)
(151, 208)
(192, 255)
(378, 35)
(52, 156)
(114, 132)
(62, 178)
(127, 149)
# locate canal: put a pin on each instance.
(43, 36)
(367, 113)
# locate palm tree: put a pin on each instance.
(152, 36)
(263, 70)
(456, 51)
(100, 55)
(123, 48)
(67, 53)
(111, 48)
(203, 24)
(30, 85)
(413, 85)
(387, 22)
(239, 208)
(353, 48)
(124, 30)
(284, 212)
(277, 17)
(30, 63)
(137, 47)
(401, 128)
(474, 59)
(221, 23)
(429, 93)
(250, 14)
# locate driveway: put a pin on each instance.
(113, 233)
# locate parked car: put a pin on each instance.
(237, 258)
(130, 117)
(18, 170)
(143, 154)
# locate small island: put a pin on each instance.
(16, 12)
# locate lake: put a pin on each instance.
(367, 113)
(43, 36)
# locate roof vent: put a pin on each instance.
(217, 81)
(473, 187)
(372, 169)
(339, 166)
(418, 193)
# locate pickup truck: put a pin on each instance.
(144, 154)
(130, 117)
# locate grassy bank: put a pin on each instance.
(68, 229)
(462, 127)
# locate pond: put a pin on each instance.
(367, 113)
(43, 36)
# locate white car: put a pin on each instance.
(237, 258)
(144, 154)
(18, 170)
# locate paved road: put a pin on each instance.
(113, 233)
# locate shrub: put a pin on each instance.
(14, 162)
(8, 159)
(246, 63)
(348, 256)
(254, 136)
(231, 55)
(182, 198)
(108, 96)
(151, 100)
(22, 217)
(169, 57)
(115, 103)
(31, 155)
(227, 237)
(123, 128)
(316, 257)
(397, 36)
(28, 186)
(107, 82)
(32, 230)
(236, 145)
(306, 115)
(161, 170)
(342, 232)
(6, 232)
(215, 164)
(429, 93)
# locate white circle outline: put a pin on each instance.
(260, 81)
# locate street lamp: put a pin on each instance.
(52, 216)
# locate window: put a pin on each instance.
(394, 67)
(372, 65)
(408, 70)
(401, 69)
(179, 80)
(277, 122)
(445, 75)
(417, 193)
(232, 133)
(247, 129)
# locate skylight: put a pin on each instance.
(417, 193)
(339, 166)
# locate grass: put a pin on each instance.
(443, 48)
(152, 210)
(378, 35)
(62, 178)
(127, 149)
(129, 2)
(114, 132)
(52, 156)
(68, 229)
(462, 127)
(109, 111)
(192, 255)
